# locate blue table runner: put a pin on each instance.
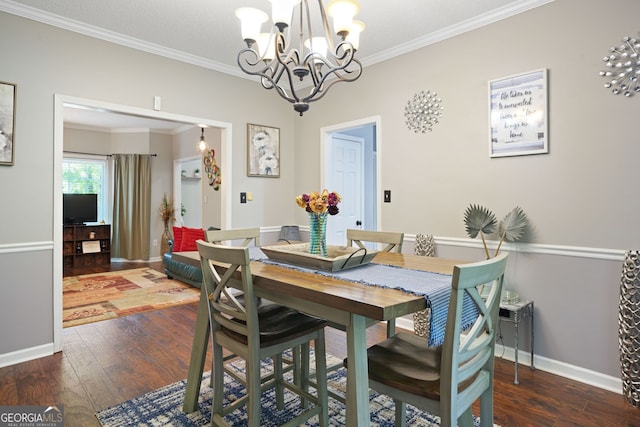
(435, 287)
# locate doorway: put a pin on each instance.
(366, 133)
(187, 192)
(63, 101)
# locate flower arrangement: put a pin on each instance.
(167, 211)
(480, 220)
(167, 214)
(320, 203)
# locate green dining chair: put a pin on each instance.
(446, 380)
(392, 240)
(253, 334)
(247, 236)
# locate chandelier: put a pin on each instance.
(301, 67)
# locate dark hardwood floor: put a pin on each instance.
(107, 362)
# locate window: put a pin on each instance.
(87, 175)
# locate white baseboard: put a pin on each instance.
(576, 373)
(25, 355)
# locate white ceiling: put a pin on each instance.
(207, 33)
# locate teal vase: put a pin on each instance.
(318, 233)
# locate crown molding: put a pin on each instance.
(113, 37)
(455, 30)
(131, 42)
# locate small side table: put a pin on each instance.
(515, 313)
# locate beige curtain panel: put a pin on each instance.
(131, 206)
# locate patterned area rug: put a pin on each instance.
(100, 296)
(163, 407)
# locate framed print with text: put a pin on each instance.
(518, 115)
(7, 123)
(263, 151)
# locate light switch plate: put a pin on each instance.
(243, 197)
(387, 196)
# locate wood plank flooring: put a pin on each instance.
(107, 362)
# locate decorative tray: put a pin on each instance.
(338, 257)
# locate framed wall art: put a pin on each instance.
(518, 115)
(263, 151)
(7, 123)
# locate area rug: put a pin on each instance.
(163, 407)
(100, 296)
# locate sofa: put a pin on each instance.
(184, 239)
(179, 270)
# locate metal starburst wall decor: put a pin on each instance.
(423, 111)
(623, 68)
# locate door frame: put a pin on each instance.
(60, 101)
(325, 140)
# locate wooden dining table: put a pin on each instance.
(351, 304)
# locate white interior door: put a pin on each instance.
(346, 160)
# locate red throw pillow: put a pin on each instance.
(177, 238)
(189, 237)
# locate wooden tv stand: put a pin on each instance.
(82, 249)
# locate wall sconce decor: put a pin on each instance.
(212, 169)
(623, 67)
(423, 111)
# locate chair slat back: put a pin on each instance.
(247, 235)
(226, 310)
(392, 239)
(470, 356)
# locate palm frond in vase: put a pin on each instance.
(479, 220)
(512, 226)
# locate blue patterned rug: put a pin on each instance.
(163, 407)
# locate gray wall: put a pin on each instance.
(579, 196)
(44, 61)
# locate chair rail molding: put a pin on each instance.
(26, 247)
(537, 248)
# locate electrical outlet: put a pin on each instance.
(243, 197)
(387, 196)
(155, 242)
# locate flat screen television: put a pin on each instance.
(79, 208)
